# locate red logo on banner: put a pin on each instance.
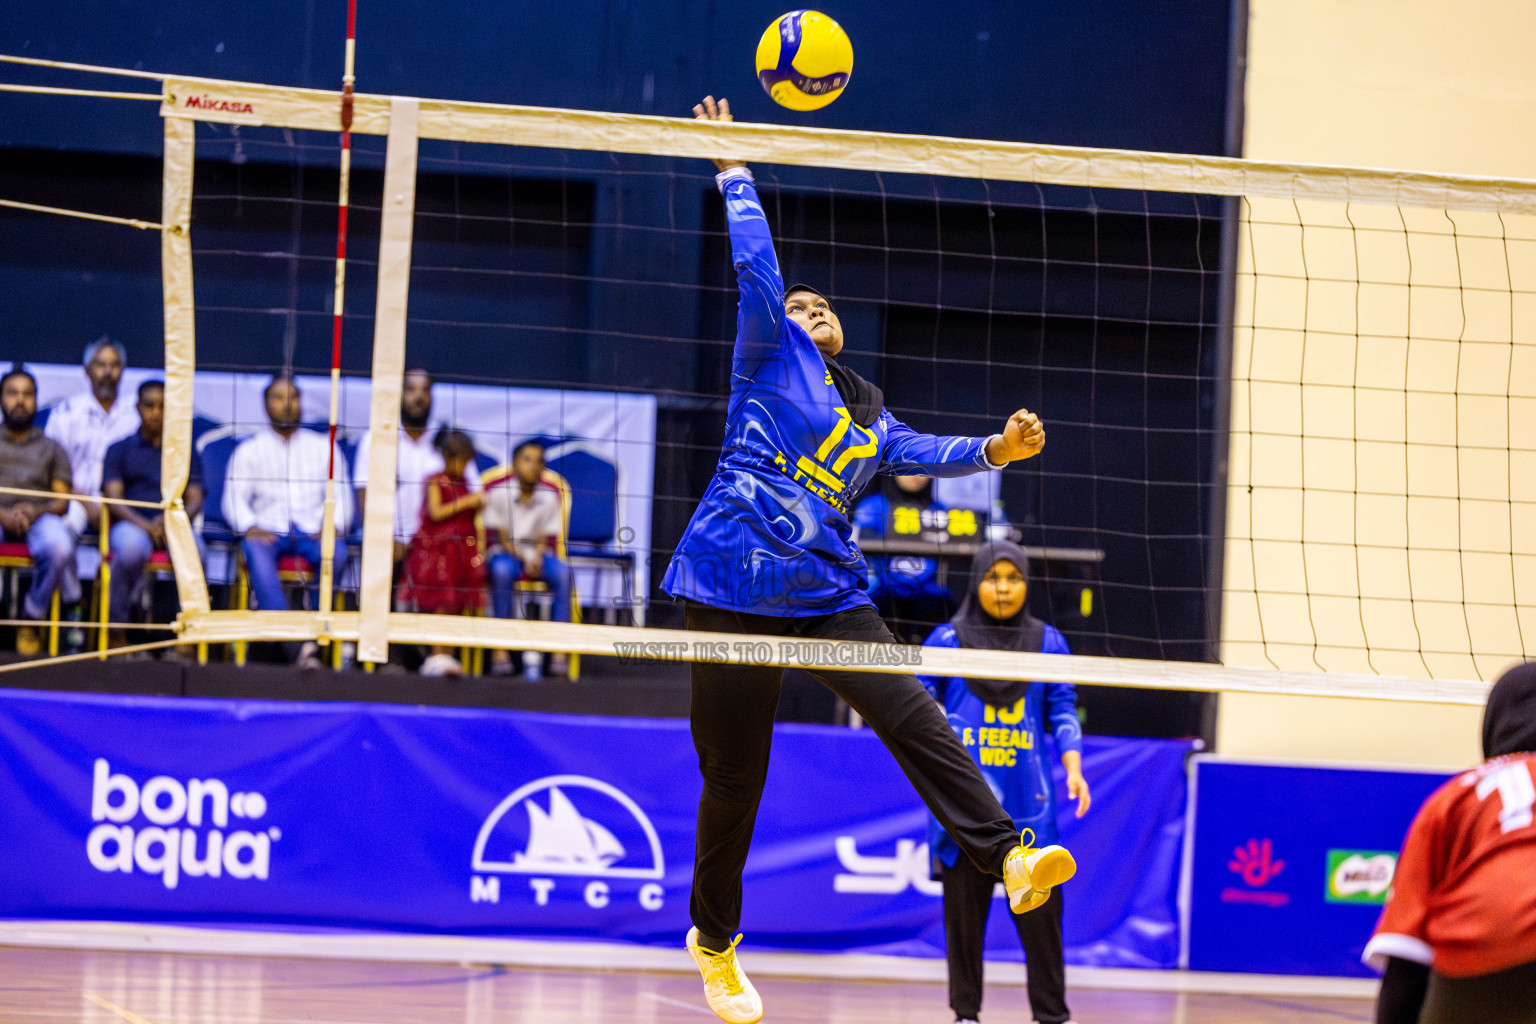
(1255, 863)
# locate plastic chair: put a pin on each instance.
(158, 567)
(594, 483)
(14, 557)
(292, 571)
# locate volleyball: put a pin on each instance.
(804, 60)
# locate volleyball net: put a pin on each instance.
(1339, 503)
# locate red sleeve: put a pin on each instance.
(1401, 930)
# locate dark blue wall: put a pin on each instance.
(1122, 73)
(1133, 74)
(554, 271)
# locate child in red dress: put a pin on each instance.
(444, 568)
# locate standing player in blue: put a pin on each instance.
(1004, 723)
(769, 551)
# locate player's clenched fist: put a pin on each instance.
(1023, 436)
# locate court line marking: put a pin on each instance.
(487, 971)
(107, 1004)
(1321, 1010)
(695, 1007)
(526, 953)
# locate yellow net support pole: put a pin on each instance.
(104, 580)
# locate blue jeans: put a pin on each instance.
(52, 548)
(261, 563)
(131, 548)
(507, 569)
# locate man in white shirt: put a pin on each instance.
(275, 495)
(525, 520)
(416, 459)
(87, 423)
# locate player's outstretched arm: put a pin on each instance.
(760, 312)
(907, 451)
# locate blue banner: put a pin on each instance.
(1290, 865)
(474, 821)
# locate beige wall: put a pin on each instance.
(1426, 85)
(1382, 499)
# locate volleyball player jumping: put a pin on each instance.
(769, 551)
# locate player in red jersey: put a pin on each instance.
(1457, 939)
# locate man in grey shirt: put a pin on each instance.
(33, 462)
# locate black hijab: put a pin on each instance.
(862, 399)
(975, 628)
(1509, 720)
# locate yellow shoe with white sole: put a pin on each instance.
(1029, 874)
(726, 988)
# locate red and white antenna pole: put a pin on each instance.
(328, 527)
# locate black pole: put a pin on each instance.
(1231, 226)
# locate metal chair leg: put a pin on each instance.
(338, 603)
(104, 580)
(53, 626)
(243, 603)
(104, 603)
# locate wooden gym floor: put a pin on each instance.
(49, 986)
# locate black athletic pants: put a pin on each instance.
(1507, 997)
(732, 718)
(967, 899)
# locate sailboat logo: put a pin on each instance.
(562, 840)
(563, 837)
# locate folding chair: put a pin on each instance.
(293, 571)
(14, 558)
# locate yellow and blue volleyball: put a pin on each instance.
(804, 60)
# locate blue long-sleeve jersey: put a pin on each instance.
(771, 534)
(1009, 743)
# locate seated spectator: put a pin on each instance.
(131, 469)
(525, 520)
(444, 568)
(905, 588)
(417, 459)
(30, 461)
(275, 499)
(87, 422)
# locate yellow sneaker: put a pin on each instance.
(1029, 874)
(726, 988)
